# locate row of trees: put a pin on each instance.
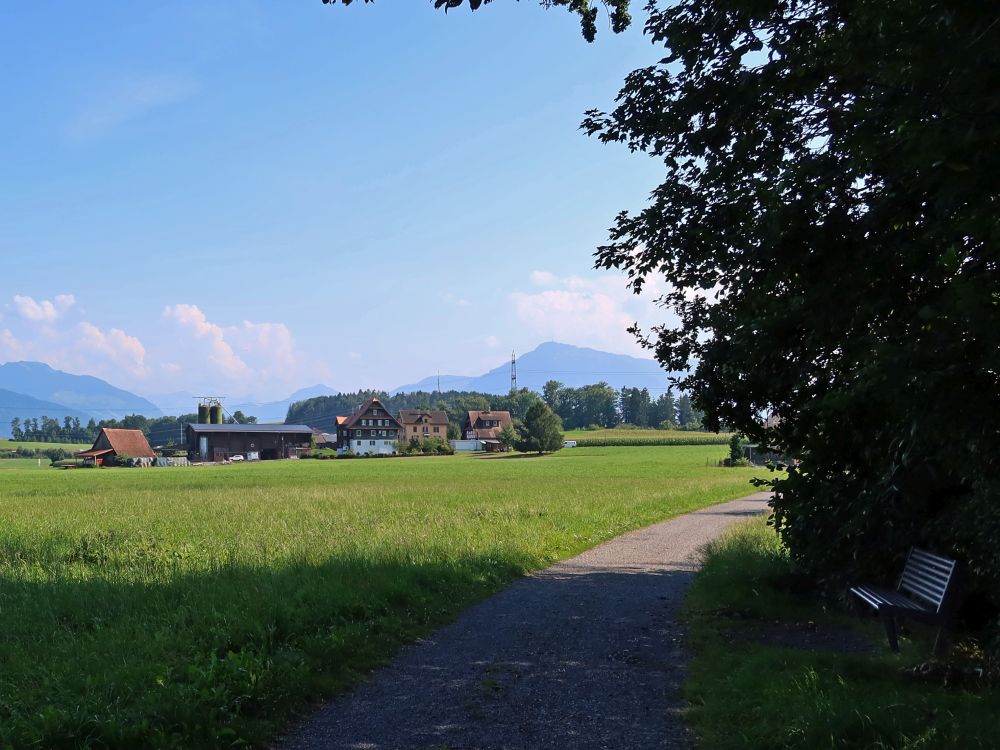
(322, 412)
(159, 430)
(603, 406)
(598, 404)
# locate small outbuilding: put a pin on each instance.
(219, 442)
(113, 444)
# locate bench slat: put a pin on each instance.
(932, 560)
(931, 571)
(919, 579)
(931, 596)
(877, 598)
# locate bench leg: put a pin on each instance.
(940, 642)
(890, 630)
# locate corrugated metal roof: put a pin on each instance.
(258, 428)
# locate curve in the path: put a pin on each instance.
(585, 654)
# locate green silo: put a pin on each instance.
(216, 413)
(203, 415)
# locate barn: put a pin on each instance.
(112, 444)
(219, 442)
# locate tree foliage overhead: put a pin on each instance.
(828, 225)
(617, 10)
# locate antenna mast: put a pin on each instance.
(513, 372)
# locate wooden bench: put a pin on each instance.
(924, 593)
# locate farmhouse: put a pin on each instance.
(111, 444)
(218, 442)
(423, 424)
(486, 425)
(371, 429)
(482, 430)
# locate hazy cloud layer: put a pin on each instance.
(128, 98)
(587, 311)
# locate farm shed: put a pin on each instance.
(217, 442)
(111, 444)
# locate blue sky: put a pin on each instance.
(250, 197)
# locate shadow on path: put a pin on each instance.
(586, 654)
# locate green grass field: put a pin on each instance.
(198, 607)
(24, 463)
(750, 692)
(6, 445)
(625, 438)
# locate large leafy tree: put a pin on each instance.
(617, 10)
(828, 226)
(541, 430)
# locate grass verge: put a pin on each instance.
(773, 669)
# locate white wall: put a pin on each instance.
(364, 447)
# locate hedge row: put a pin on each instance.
(628, 442)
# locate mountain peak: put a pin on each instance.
(573, 366)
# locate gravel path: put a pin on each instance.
(586, 654)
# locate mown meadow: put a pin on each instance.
(204, 606)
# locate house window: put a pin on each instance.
(426, 430)
(371, 442)
(358, 442)
(437, 429)
(375, 412)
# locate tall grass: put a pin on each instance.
(634, 437)
(197, 607)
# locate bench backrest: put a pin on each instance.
(927, 576)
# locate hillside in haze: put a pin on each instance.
(25, 407)
(84, 394)
(573, 366)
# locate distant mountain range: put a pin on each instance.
(33, 389)
(573, 366)
(83, 395)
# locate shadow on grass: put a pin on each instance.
(502, 456)
(213, 658)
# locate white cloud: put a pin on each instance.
(116, 346)
(249, 355)
(127, 99)
(492, 342)
(589, 311)
(221, 354)
(43, 311)
(455, 300)
(10, 347)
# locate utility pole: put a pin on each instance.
(439, 382)
(513, 372)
